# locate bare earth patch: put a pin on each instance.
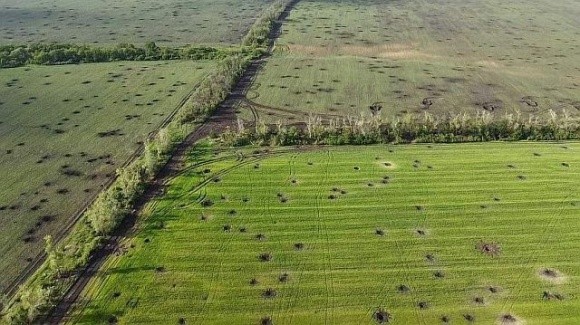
(552, 275)
(509, 319)
(489, 248)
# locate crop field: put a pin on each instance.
(410, 234)
(64, 130)
(111, 22)
(441, 57)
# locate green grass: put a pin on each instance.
(111, 22)
(340, 57)
(521, 196)
(50, 120)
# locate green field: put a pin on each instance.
(484, 232)
(64, 130)
(442, 57)
(112, 22)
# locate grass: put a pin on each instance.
(111, 22)
(338, 58)
(439, 209)
(64, 130)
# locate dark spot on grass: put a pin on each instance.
(379, 232)
(206, 203)
(468, 317)
(489, 248)
(381, 316)
(445, 319)
(266, 320)
(160, 269)
(298, 246)
(422, 305)
(265, 257)
(62, 191)
(508, 319)
(28, 239)
(479, 300)
(254, 282)
(403, 288)
(565, 164)
(284, 277)
(226, 227)
(548, 295)
(439, 274)
(430, 257)
(269, 293)
(260, 237)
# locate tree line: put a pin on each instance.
(12, 56)
(412, 128)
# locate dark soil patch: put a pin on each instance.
(260, 237)
(265, 257)
(298, 246)
(468, 317)
(508, 319)
(181, 321)
(227, 227)
(381, 316)
(116, 132)
(479, 301)
(548, 295)
(206, 203)
(493, 289)
(269, 293)
(379, 232)
(430, 258)
(492, 106)
(422, 305)
(489, 248)
(445, 319)
(403, 288)
(530, 101)
(439, 274)
(284, 277)
(266, 320)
